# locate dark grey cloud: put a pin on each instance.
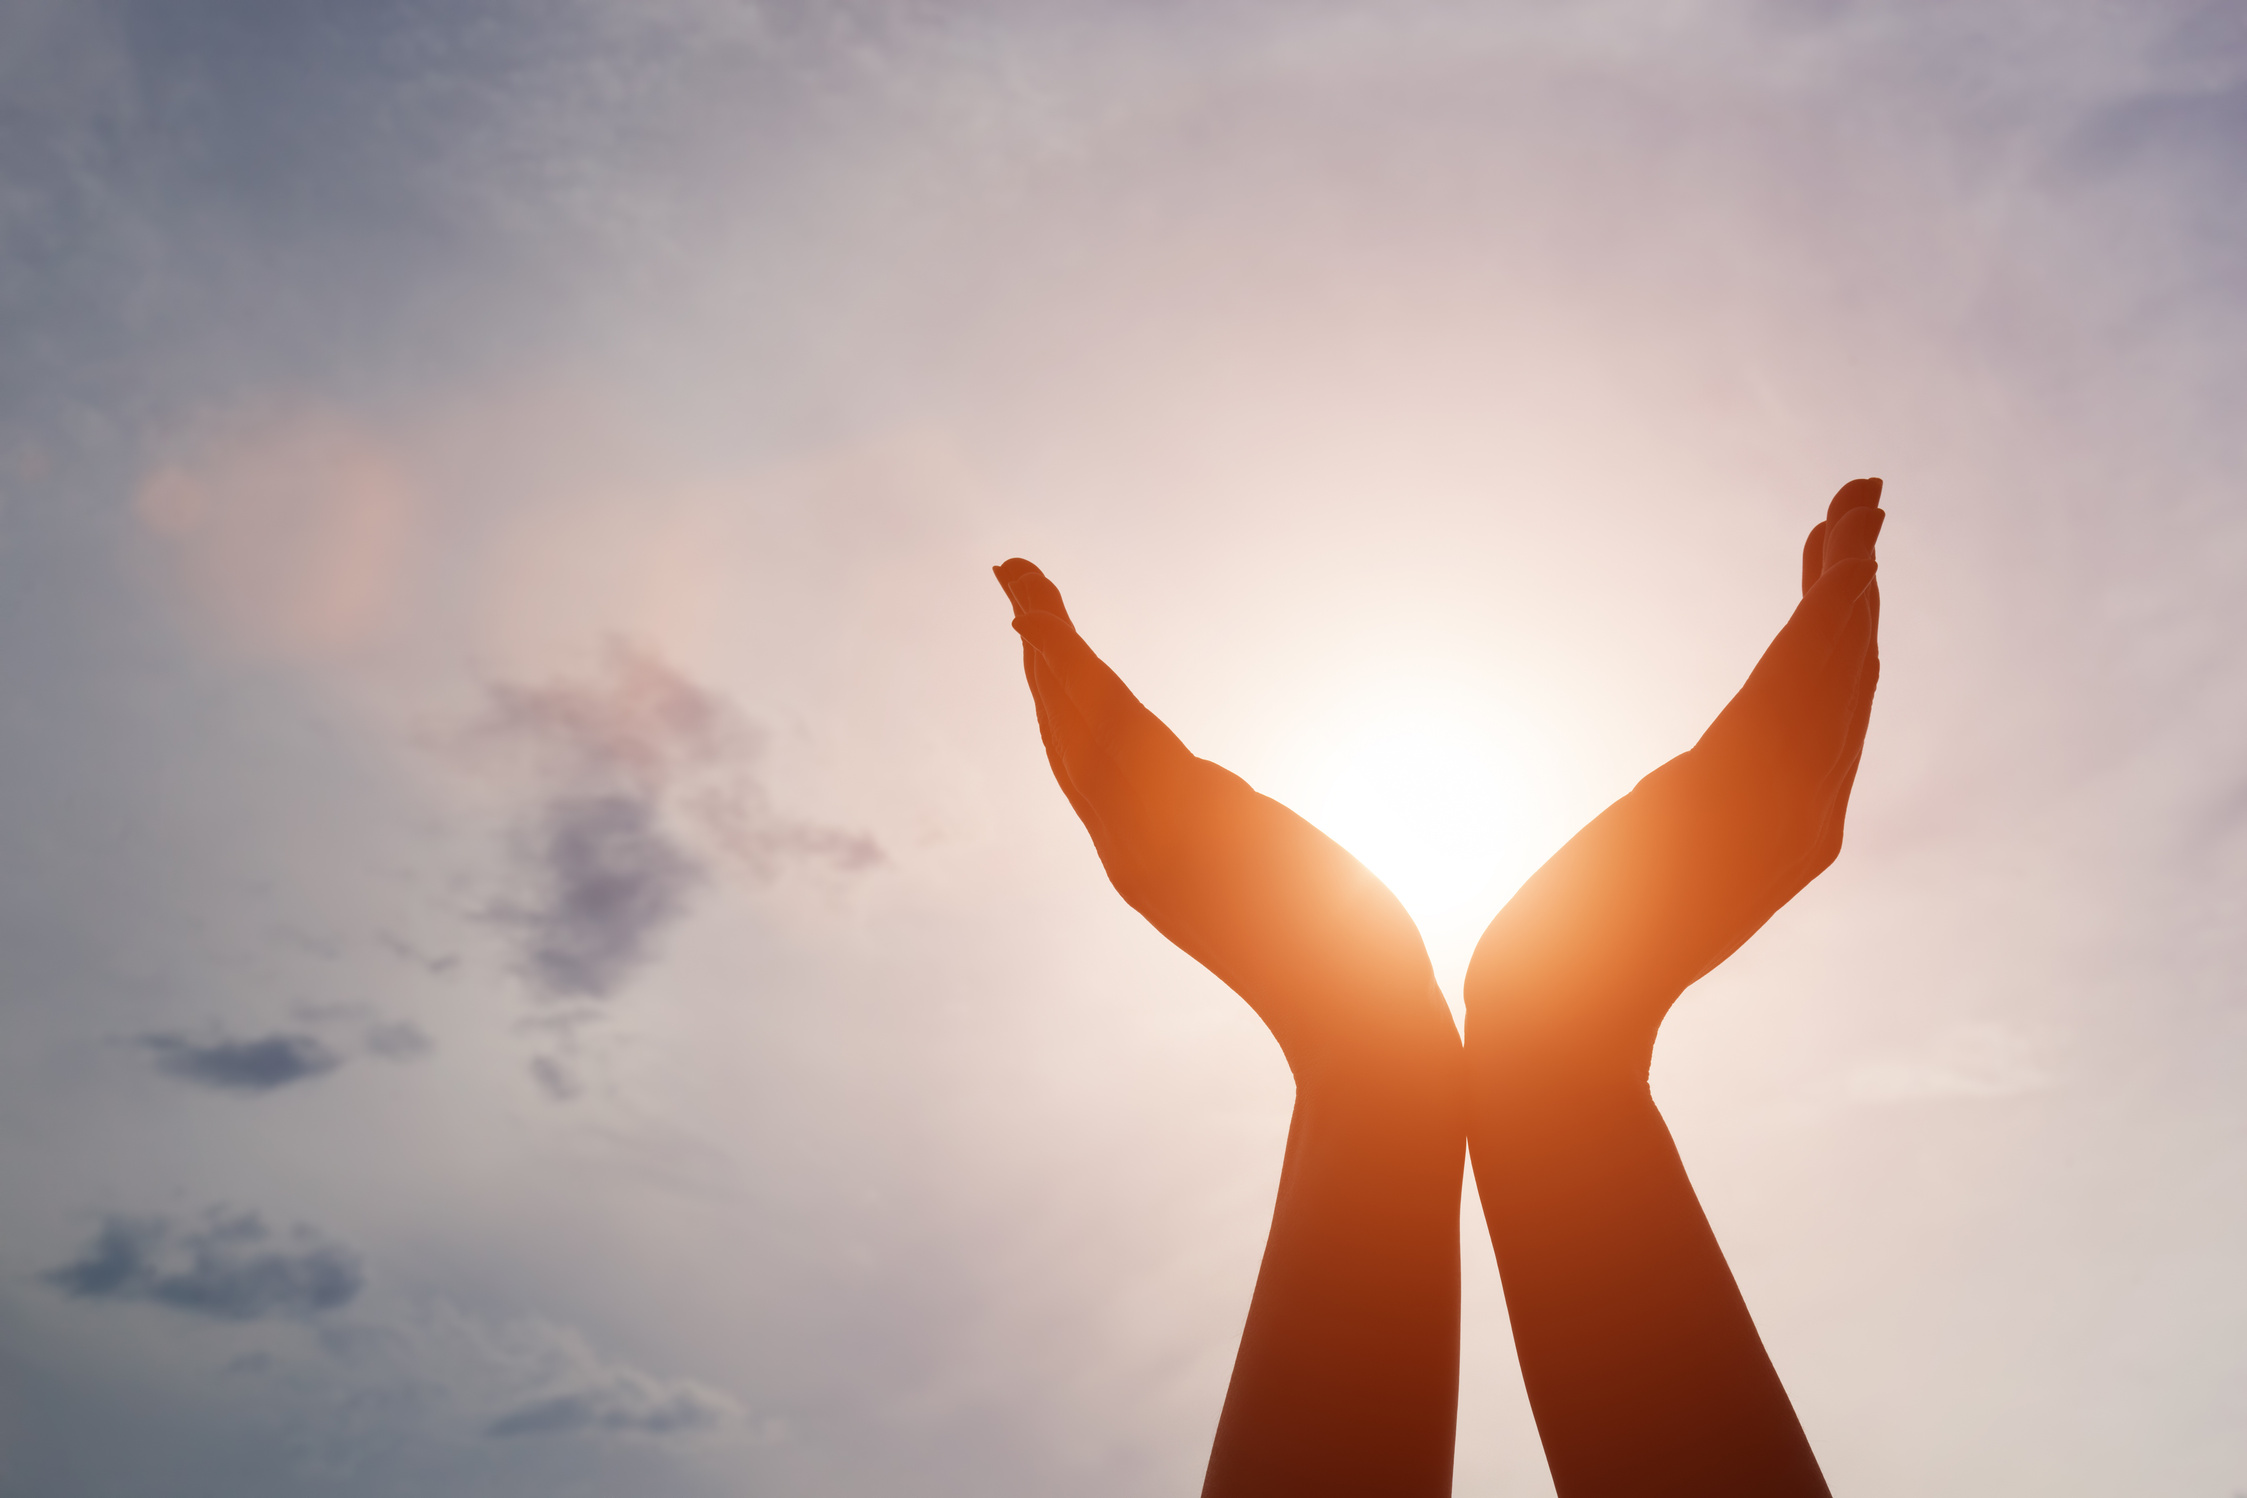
(637, 771)
(229, 1266)
(606, 878)
(398, 1040)
(258, 1065)
(626, 1402)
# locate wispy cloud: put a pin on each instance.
(555, 1078)
(231, 1065)
(625, 1401)
(259, 1064)
(605, 879)
(228, 1266)
(416, 1364)
(398, 1040)
(644, 783)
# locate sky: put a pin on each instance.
(538, 953)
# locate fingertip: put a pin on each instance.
(1029, 587)
(1851, 537)
(1857, 494)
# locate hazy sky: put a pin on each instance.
(538, 954)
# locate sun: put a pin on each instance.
(1433, 791)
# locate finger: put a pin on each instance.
(1042, 694)
(1855, 495)
(1138, 741)
(1858, 640)
(1868, 683)
(1832, 687)
(1807, 641)
(1100, 790)
(1842, 781)
(1813, 557)
(1852, 536)
(1860, 718)
(1105, 703)
(1105, 801)
(1831, 799)
(1841, 695)
(1028, 589)
(1061, 731)
(1790, 684)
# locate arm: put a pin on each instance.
(1643, 1365)
(1347, 1376)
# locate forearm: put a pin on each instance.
(1347, 1379)
(1642, 1363)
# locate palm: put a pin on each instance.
(1677, 874)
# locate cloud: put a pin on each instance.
(634, 721)
(743, 822)
(435, 964)
(288, 529)
(625, 1401)
(230, 1266)
(426, 1364)
(642, 780)
(258, 1065)
(606, 879)
(398, 1040)
(555, 1079)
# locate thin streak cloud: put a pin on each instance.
(252, 1066)
(625, 1402)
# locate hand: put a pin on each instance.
(1278, 911)
(1670, 880)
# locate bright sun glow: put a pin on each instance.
(1437, 795)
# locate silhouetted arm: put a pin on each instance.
(1643, 1366)
(1347, 1378)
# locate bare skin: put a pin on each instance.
(1643, 1366)
(1347, 1376)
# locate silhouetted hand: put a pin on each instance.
(1277, 910)
(1670, 880)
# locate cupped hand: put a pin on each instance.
(1670, 880)
(1276, 909)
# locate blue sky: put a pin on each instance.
(539, 953)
